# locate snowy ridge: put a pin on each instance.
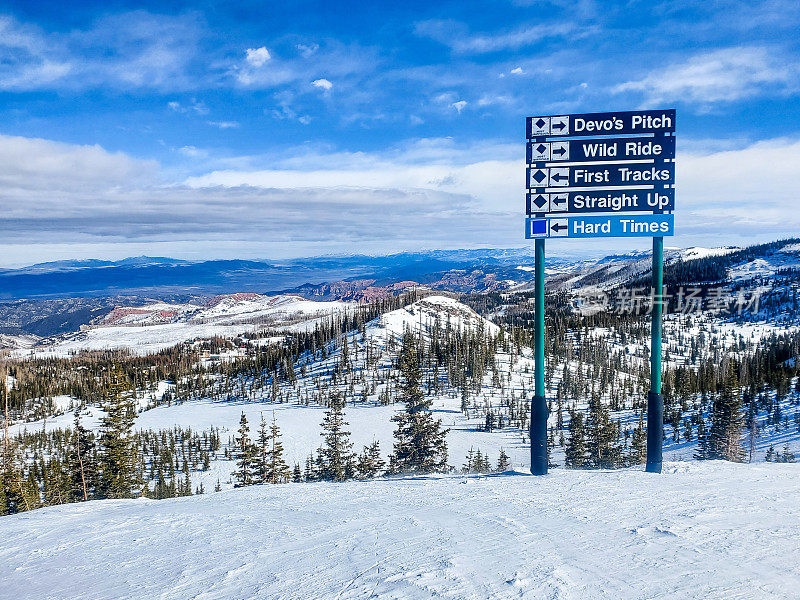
(14, 342)
(700, 252)
(153, 327)
(150, 314)
(423, 315)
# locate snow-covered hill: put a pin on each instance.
(153, 327)
(369, 384)
(620, 269)
(700, 530)
(299, 416)
(421, 316)
(14, 342)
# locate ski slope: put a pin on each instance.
(700, 530)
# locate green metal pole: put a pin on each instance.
(655, 401)
(539, 412)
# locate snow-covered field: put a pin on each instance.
(700, 530)
(300, 430)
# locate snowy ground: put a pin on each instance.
(699, 530)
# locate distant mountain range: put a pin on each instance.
(157, 276)
(52, 299)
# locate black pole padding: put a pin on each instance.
(655, 431)
(539, 416)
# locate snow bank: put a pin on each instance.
(711, 530)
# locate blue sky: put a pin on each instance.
(298, 128)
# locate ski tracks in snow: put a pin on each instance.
(704, 530)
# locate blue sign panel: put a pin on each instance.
(608, 123)
(613, 201)
(630, 175)
(600, 226)
(602, 149)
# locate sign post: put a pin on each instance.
(655, 401)
(539, 412)
(618, 166)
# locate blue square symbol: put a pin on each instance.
(538, 226)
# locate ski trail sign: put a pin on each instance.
(616, 201)
(619, 165)
(601, 149)
(599, 226)
(611, 123)
(616, 162)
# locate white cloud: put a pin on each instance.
(724, 75)
(487, 100)
(517, 71)
(426, 193)
(225, 124)
(84, 200)
(127, 50)
(307, 50)
(29, 60)
(193, 152)
(456, 35)
(196, 106)
(257, 57)
(322, 84)
(459, 106)
(445, 97)
(38, 164)
(752, 188)
(338, 61)
(714, 204)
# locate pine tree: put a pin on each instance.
(335, 457)
(12, 496)
(31, 495)
(263, 444)
(465, 401)
(503, 462)
(272, 468)
(638, 452)
(82, 465)
(469, 466)
(118, 455)
(297, 474)
(310, 474)
(370, 463)
(420, 442)
(575, 452)
(12, 499)
(787, 456)
(727, 421)
(753, 432)
(602, 437)
(703, 451)
(246, 461)
(481, 462)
